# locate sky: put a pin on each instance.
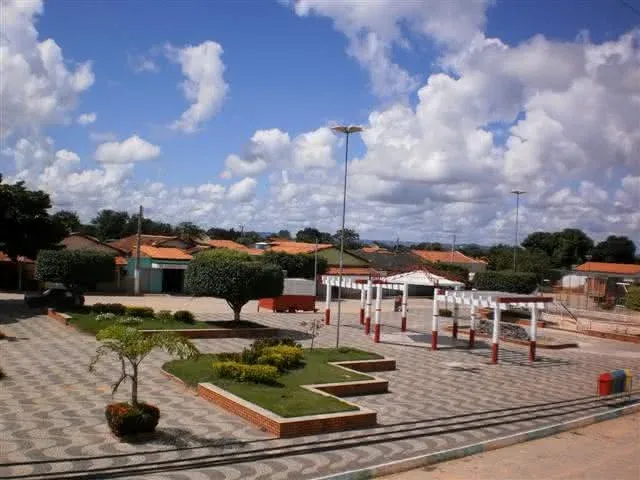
(219, 112)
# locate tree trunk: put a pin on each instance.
(134, 386)
(236, 312)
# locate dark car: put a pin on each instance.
(54, 297)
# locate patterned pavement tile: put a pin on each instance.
(51, 407)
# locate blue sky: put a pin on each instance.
(427, 82)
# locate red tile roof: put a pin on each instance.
(121, 261)
(445, 257)
(127, 244)
(164, 253)
(95, 240)
(297, 247)
(349, 271)
(230, 244)
(613, 268)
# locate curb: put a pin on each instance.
(486, 446)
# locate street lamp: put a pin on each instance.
(517, 193)
(347, 130)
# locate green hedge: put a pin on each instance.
(75, 268)
(184, 316)
(266, 374)
(512, 282)
(632, 299)
(142, 312)
(297, 266)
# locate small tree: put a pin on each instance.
(131, 347)
(76, 269)
(233, 276)
(300, 265)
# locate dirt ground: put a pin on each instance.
(606, 450)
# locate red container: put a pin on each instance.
(605, 384)
(289, 303)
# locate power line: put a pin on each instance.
(630, 7)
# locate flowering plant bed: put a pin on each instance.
(125, 419)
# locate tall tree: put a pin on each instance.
(286, 234)
(615, 250)
(149, 226)
(310, 235)
(69, 220)
(110, 224)
(189, 232)
(565, 249)
(222, 233)
(351, 239)
(25, 224)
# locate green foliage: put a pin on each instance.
(519, 282)
(436, 246)
(164, 315)
(445, 312)
(286, 234)
(351, 239)
(184, 316)
(266, 374)
(259, 347)
(110, 224)
(125, 419)
(234, 277)
(143, 312)
(115, 308)
(564, 249)
(69, 221)
(132, 346)
(74, 268)
(632, 299)
(535, 261)
(286, 357)
(311, 235)
(106, 317)
(188, 231)
(26, 226)
(129, 320)
(458, 271)
(222, 233)
(297, 266)
(615, 250)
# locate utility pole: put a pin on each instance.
(136, 278)
(517, 193)
(453, 247)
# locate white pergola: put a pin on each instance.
(498, 301)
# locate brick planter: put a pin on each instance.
(612, 336)
(63, 318)
(257, 332)
(309, 424)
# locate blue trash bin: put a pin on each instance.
(619, 379)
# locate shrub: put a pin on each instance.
(513, 282)
(129, 320)
(233, 277)
(115, 308)
(632, 298)
(74, 268)
(184, 316)
(229, 357)
(164, 315)
(299, 265)
(291, 356)
(123, 419)
(144, 312)
(266, 374)
(105, 317)
(252, 354)
(445, 312)
(274, 359)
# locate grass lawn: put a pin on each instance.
(288, 399)
(87, 323)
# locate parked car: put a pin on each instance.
(55, 298)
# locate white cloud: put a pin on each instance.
(242, 191)
(204, 85)
(86, 118)
(37, 86)
(374, 28)
(142, 63)
(274, 148)
(133, 149)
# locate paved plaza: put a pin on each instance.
(53, 426)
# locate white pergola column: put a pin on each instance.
(497, 315)
(454, 330)
(376, 327)
(434, 320)
(405, 296)
(327, 305)
(472, 324)
(367, 313)
(363, 294)
(533, 334)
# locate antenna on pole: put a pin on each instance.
(136, 283)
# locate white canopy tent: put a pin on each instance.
(423, 278)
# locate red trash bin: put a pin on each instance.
(605, 384)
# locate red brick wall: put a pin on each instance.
(382, 365)
(350, 389)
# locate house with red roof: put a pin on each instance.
(474, 265)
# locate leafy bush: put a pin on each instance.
(273, 359)
(296, 265)
(513, 282)
(445, 312)
(105, 317)
(74, 268)
(229, 357)
(129, 320)
(115, 308)
(144, 312)
(251, 355)
(632, 299)
(184, 316)
(164, 315)
(291, 356)
(123, 419)
(266, 374)
(233, 277)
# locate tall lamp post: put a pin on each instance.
(517, 193)
(347, 130)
